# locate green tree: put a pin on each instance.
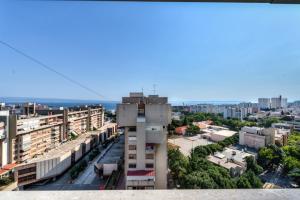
(253, 179)
(290, 163)
(267, 123)
(185, 121)
(243, 183)
(253, 166)
(270, 156)
(193, 130)
(178, 163)
(198, 180)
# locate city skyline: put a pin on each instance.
(190, 51)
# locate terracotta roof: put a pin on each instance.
(141, 173)
(180, 130)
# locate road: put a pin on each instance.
(277, 178)
(89, 176)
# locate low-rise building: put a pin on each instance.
(256, 137)
(231, 159)
(217, 133)
(181, 130)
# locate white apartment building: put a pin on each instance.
(274, 103)
(256, 137)
(145, 120)
(278, 102)
(264, 103)
(238, 113)
(207, 108)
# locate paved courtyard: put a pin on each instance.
(186, 144)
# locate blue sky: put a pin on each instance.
(191, 51)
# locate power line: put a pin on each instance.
(51, 69)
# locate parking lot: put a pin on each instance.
(186, 144)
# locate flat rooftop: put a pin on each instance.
(222, 158)
(187, 143)
(226, 133)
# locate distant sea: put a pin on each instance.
(108, 105)
(56, 103)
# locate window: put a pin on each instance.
(132, 147)
(131, 165)
(150, 156)
(149, 165)
(132, 156)
(26, 171)
(132, 138)
(132, 129)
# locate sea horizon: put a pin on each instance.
(109, 105)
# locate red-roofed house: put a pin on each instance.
(181, 130)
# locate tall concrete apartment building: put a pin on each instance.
(145, 120)
(279, 102)
(274, 103)
(264, 103)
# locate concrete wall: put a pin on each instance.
(158, 113)
(255, 141)
(127, 114)
(141, 145)
(161, 165)
(78, 152)
(53, 167)
(253, 194)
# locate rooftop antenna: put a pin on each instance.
(154, 89)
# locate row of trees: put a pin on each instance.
(189, 118)
(233, 124)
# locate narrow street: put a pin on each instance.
(89, 176)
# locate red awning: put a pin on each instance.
(7, 168)
(141, 173)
